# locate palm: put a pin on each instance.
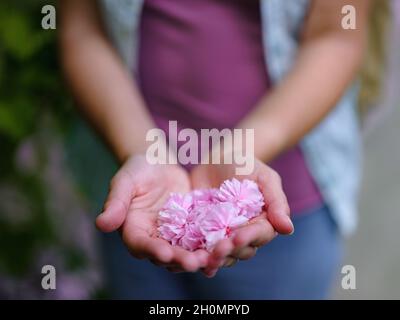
(137, 194)
(139, 190)
(261, 230)
(156, 186)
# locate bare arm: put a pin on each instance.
(111, 101)
(109, 98)
(328, 59)
(105, 91)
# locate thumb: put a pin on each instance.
(277, 207)
(279, 217)
(117, 204)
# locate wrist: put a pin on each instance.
(270, 137)
(269, 143)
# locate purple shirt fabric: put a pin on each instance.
(201, 63)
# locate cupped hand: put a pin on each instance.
(274, 219)
(137, 193)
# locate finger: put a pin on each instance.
(277, 207)
(162, 264)
(217, 258)
(198, 259)
(159, 264)
(202, 257)
(230, 262)
(175, 269)
(187, 260)
(122, 190)
(142, 246)
(245, 253)
(258, 233)
(210, 273)
(222, 250)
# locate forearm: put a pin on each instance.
(327, 62)
(105, 91)
(319, 78)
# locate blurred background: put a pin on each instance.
(45, 213)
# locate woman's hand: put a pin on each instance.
(274, 219)
(139, 190)
(137, 193)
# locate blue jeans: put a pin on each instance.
(301, 266)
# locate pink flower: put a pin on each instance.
(193, 238)
(201, 218)
(173, 217)
(219, 222)
(178, 201)
(204, 196)
(245, 195)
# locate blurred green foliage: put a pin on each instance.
(29, 78)
(31, 86)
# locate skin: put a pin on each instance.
(137, 194)
(328, 59)
(260, 230)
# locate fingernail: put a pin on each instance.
(208, 275)
(291, 223)
(212, 275)
(292, 230)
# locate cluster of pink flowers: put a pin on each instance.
(201, 218)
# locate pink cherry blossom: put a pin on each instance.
(220, 221)
(204, 196)
(203, 217)
(173, 217)
(193, 238)
(178, 201)
(245, 195)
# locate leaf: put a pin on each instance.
(18, 37)
(16, 118)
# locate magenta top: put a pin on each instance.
(201, 63)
